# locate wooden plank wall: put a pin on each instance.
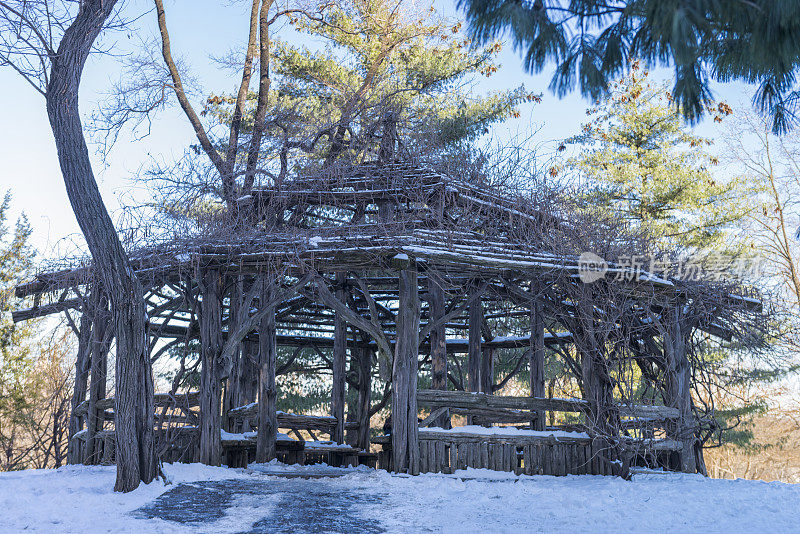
(531, 458)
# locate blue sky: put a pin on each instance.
(28, 163)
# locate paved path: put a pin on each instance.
(269, 505)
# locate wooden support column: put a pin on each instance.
(436, 311)
(82, 362)
(100, 341)
(248, 380)
(210, 349)
(678, 386)
(339, 362)
(438, 341)
(248, 363)
(405, 436)
(363, 356)
(233, 383)
(487, 370)
(267, 390)
(474, 352)
(537, 360)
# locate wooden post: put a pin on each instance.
(267, 390)
(678, 386)
(233, 384)
(364, 391)
(596, 386)
(82, 361)
(210, 348)
(487, 370)
(248, 378)
(537, 360)
(99, 372)
(405, 436)
(339, 362)
(358, 412)
(437, 336)
(474, 354)
(438, 342)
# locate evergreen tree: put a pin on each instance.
(642, 161)
(16, 355)
(593, 42)
(388, 83)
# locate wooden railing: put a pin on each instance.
(322, 423)
(513, 409)
(555, 451)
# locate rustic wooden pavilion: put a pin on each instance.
(387, 271)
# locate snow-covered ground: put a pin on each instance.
(81, 499)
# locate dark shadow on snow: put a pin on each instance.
(307, 506)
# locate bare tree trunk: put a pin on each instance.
(136, 459)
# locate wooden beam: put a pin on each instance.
(466, 400)
(47, 309)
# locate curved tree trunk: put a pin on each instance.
(134, 381)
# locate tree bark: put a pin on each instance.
(136, 459)
(267, 390)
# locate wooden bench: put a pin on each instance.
(245, 418)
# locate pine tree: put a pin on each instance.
(642, 161)
(16, 354)
(593, 42)
(388, 82)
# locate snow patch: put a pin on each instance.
(504, 431)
